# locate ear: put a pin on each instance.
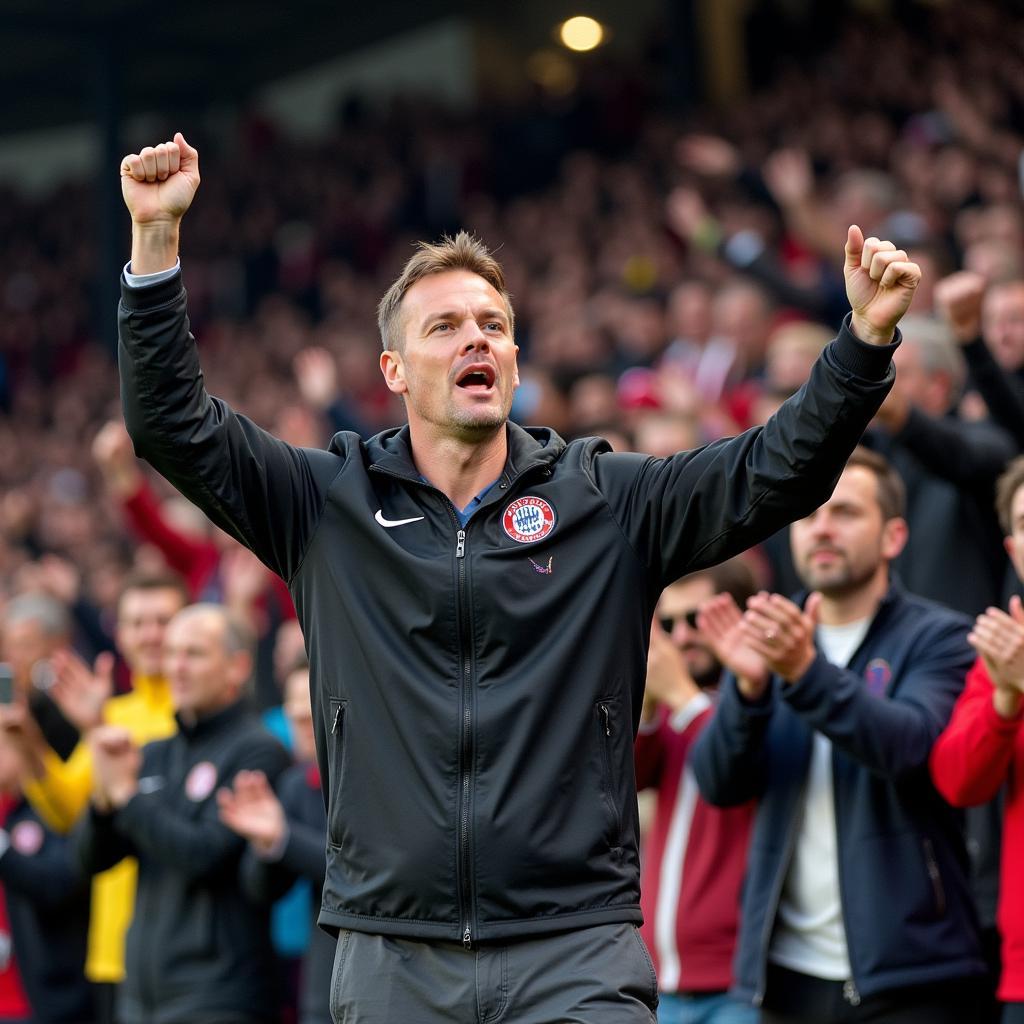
(894, 538)
(393, 368)
(515, 369)
(240, 669)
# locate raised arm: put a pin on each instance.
(262, 491)
(697, 508)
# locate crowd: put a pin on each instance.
(674, 278)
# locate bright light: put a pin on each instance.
(581, 33)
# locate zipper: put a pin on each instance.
(465, 736)
(336, 726)
(850, 993)
(932, 866)
(465, 633)
(605, 723)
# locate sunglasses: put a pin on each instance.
(668, 622)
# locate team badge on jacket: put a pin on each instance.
(200, 781)
(528, 520)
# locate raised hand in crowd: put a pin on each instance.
(708, 155)
(720, 620)
(782, 632)
(316, 374)
(244, 578)
(116, 762)
(789, 175)
(958, 300)
(251, 809)
(23, 733)
(80, 692)
(113, 453)
(668, 679)
(998, 637)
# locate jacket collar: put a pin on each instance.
(209, 725)
(528, 448)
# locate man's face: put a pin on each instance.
(142, 618)
(203, 675)
(676, 608)
(846, 544)
(457, 369)
(1015, 542)
(1003, 324)
(26, 642)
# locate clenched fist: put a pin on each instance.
(880, 283)
(158, 183)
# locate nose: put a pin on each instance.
(473, 337)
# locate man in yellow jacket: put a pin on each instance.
(60, 790)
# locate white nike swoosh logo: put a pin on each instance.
(389, 523)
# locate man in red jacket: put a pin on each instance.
(983, 745)
(695, 854)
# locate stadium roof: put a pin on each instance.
(61, 60)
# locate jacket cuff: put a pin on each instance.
(1004, 726)
(151, 296)
(805, 693)
(870, 362)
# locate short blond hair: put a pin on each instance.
(463, 252)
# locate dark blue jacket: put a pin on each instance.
(907, 909)
(48, 908)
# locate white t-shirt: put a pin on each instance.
(809, 936)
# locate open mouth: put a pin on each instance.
(476, 378)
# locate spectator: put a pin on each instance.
(949, 466)
(44, 912)
(196, 948)
(59, 790)
(287, 836)
(983, 746)
(695, 854)
(35, 626)
(856, 906)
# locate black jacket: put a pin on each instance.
(196, 948)
(48, 909)
(303, 856)
(476, 691)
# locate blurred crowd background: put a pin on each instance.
(675, 266)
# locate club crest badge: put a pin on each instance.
(528, 520)
(877, 675)
(27, 838)
(200, 781)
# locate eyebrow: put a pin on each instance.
(491, 313)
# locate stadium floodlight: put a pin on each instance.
(581, 33)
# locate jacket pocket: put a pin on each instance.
(934, 876)
(609, 722)
(336, 769)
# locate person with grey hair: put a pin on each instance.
(950, 465)
(34, 627)
(197, 949)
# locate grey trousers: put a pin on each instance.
(600, 975)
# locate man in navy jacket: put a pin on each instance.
(856, 905)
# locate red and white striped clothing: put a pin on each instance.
(693, 860)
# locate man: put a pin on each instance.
(196, 948)
(476, 601)
(949, 466)
(856, 905)
(695, 855)
(287, 837)
(59, 790)
(983, 746)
